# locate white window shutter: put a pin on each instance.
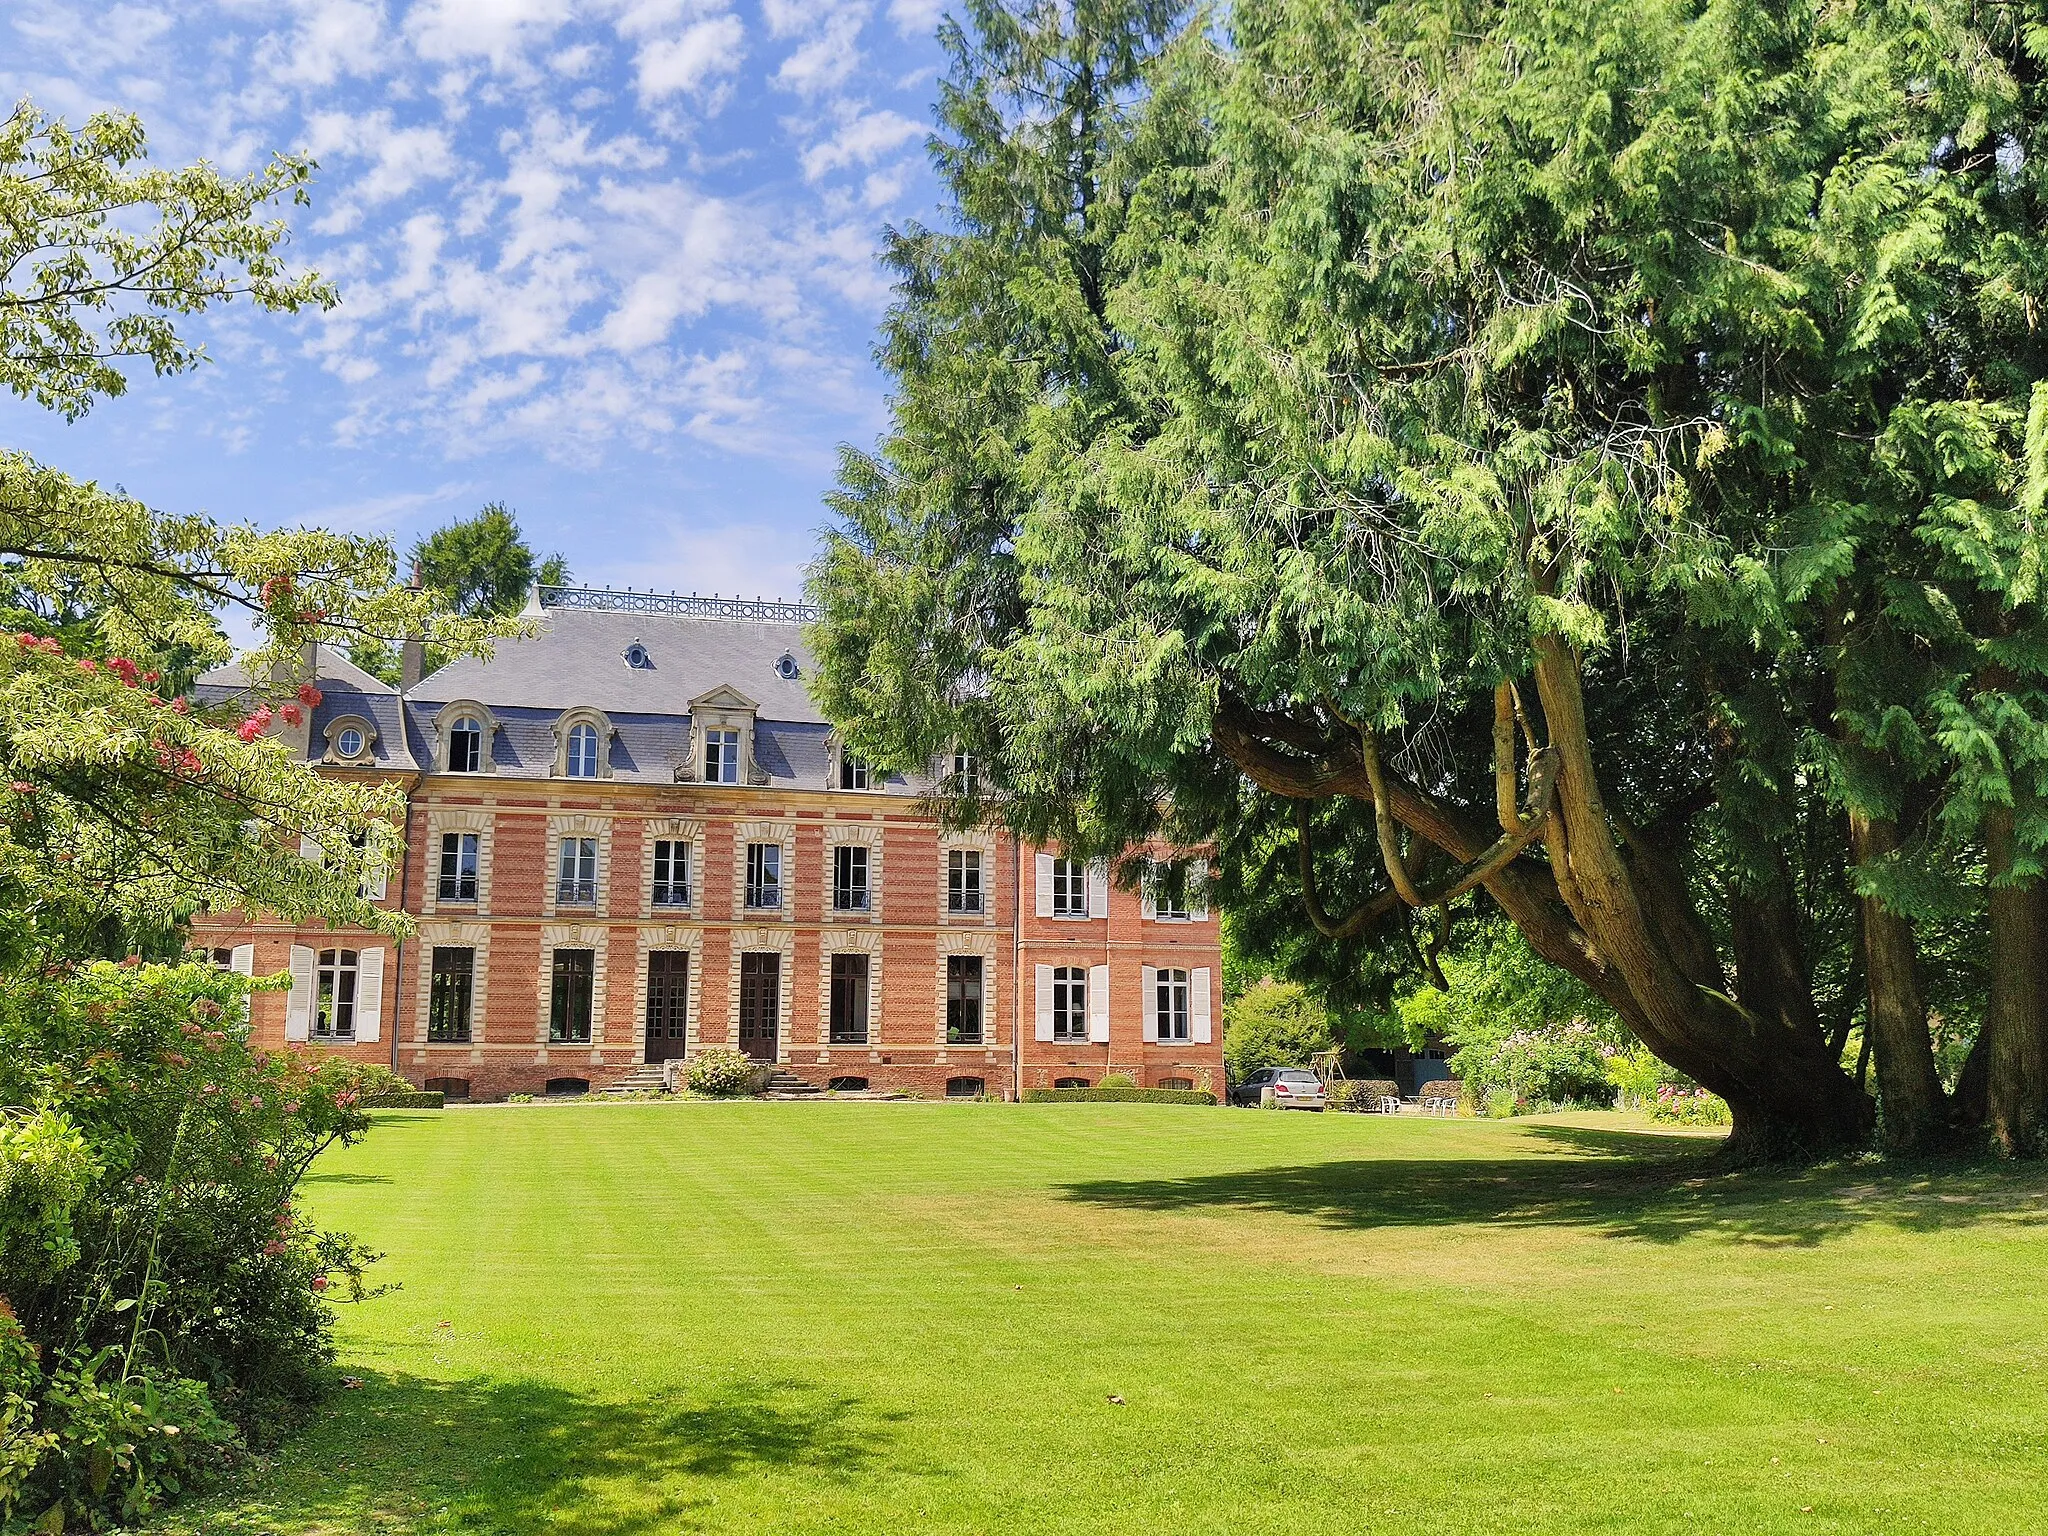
(1198, 1006)
(1098, 889)
(1098, 1004)
(298, 1008)
(376, 882)
(1148, 900)
(308, 849)
(242, 960)
(1198, 891)
(1044, 868)
(1148, 1014)
(1044, 1023)
(370, 995)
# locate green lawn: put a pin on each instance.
(911, 1318)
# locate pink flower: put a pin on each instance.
(273, 1248)
(125, 669)
(248, 730)
(291, 714)
(26, 640)
(21, 787)
(151, 679)
(179, 706)
(319, 1282)
(310, 696)
(87, 664)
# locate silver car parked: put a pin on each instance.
(1292, 1088)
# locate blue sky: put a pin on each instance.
(611, 261)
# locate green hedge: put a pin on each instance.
(1118, 1096)
(418, 1099)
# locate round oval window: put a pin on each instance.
(350, 742)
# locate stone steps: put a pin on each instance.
(648, 1077)
(787, 1085)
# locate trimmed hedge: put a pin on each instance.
(1118, 1096)
(418, 1099)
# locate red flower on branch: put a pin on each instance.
(291, 714)
(310, 696)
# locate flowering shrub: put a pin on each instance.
(168, 1150)
(1688, 1106)
(723, 1072)
(1564, 1064)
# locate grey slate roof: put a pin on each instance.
(579, 658)
(330, 666)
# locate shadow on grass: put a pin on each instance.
(1654, 1188)
(402, 1454)
(344, 1178)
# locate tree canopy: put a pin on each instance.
(122, 807)
(1584, 453)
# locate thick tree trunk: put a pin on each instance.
(1789, 1098)
(1771, 975)
(2018, 1013)
(1913, 1106)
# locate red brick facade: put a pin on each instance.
(519, 919)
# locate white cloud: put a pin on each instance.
(916, 18)
(400, 159)
(698, 55)
(501, 31)
(861, 140)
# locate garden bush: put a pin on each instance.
(411, 1098)
(1364, 1094)
(1105, 1094)
(1688, 1106)
(147, 1189)
(1560, 1066)
(724, 1073)
(1117, 1080)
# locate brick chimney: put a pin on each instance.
(412, 656)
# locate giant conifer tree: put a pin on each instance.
(1577, 451)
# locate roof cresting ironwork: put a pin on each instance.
(689, 605)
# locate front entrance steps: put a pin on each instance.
(784, 1084)
(648, 1077)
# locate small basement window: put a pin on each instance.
(848, 1085)
(965, 1087)
(1070, 1082)
(1178, 1084)
(450, 1087)
(567, 1087)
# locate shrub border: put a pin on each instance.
(1118, 1096)
(418, 1099)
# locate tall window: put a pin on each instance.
(966, 775)
(1069, 888)
(1170, 1005)
(576, 875)
(850, 878)
(853, 773)
(458, 866)
(671, 873)
(448, 1000)
(849, 1018)
(466, 745)
(963, 999)
(721, 757)
(1069, 1003)
(569, 999)
(963, 880)
(764, 876)
(1169, 907)
(582, 761)
(335, 1016)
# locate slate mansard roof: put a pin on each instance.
(578, 661)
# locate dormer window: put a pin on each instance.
(853, 773)
(349, 742)
(637, 657)
(349, 739)
(721, 757)
(582, 762)
(966, 778)
(786, 668)
(466, 745)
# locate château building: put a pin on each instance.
(634, 835)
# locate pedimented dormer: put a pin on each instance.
(722, 739)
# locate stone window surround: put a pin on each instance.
(674, 829)
(984, 945)
(458, 818)
(743, 833)
(595, 937)
(835, 758)
(759, 940)
(854, 942)
(444, 722)
(863, 834)
(983, 843)
(332, 731)
(650, 939)
(561, 825)
(452, 935)
(723, 708)
(598, 720)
